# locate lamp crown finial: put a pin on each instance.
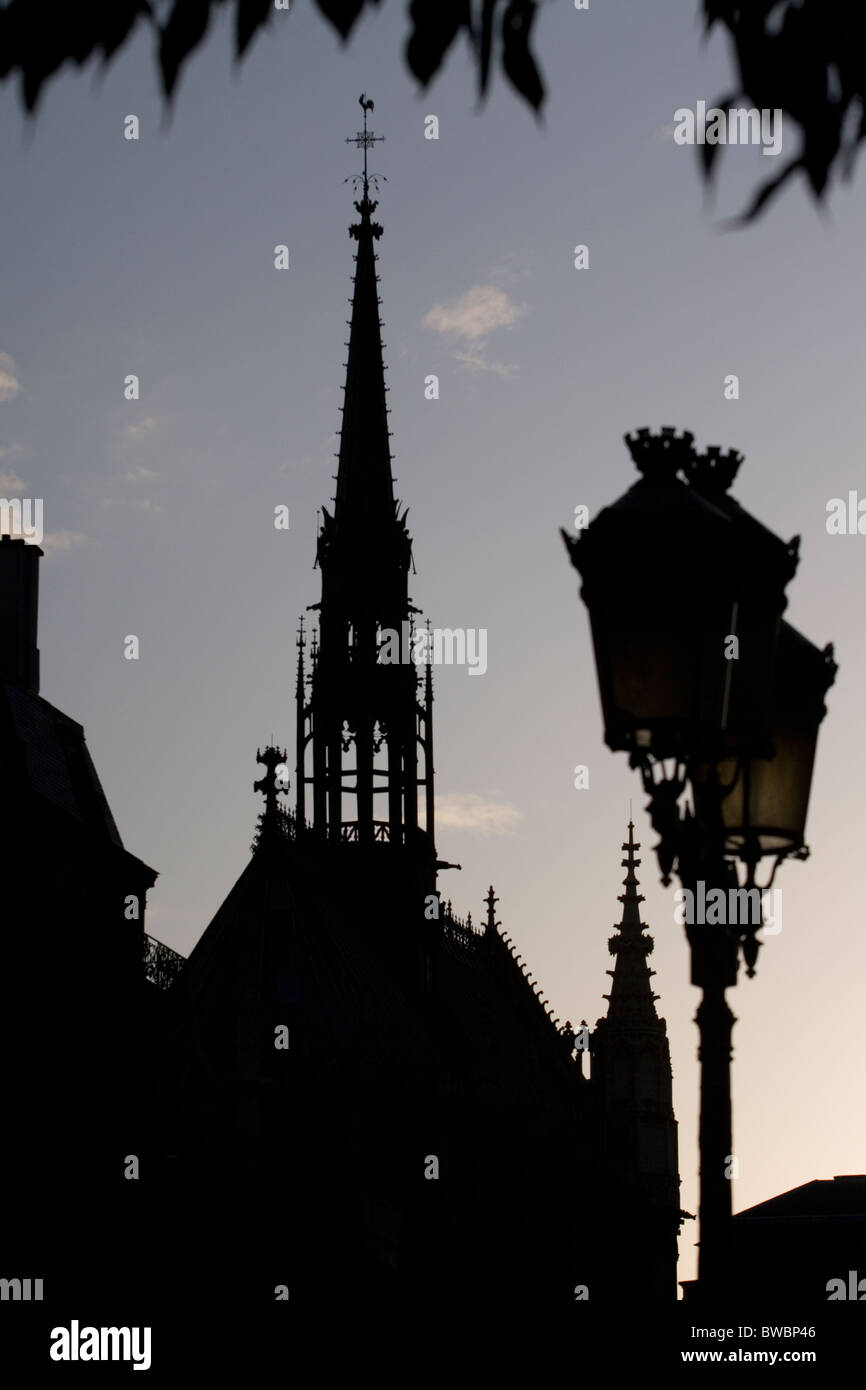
(713, 471)
(659, 457)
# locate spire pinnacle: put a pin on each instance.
(491, 900)
(631, 996)
(301, 644)
(365, 507)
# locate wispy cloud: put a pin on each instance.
(9, 383)
(137, 504)
(474, 315)
(509, 267)
(474, 358)
(467, 323)
(136, 478)
(139, 429)
(56, 541)
(139, 475)
(468, 811)
(10, 482)
(11, 453)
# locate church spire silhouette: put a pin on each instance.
(365, 487)
(335, 1000)
(365, 719)
(631, 1072)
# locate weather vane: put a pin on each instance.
(364, 139)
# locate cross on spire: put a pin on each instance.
(364, 139)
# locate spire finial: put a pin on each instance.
(630, 863)
(364, 139)
(491, 900)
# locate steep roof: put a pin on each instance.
(823, 1199)
(57, 763)
(287, 944)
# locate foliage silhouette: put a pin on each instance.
(805, 57)
(808, 59)
(35, 45)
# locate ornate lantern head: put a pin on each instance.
(685, 592)
(763, 812)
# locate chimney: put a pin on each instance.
(19, 611)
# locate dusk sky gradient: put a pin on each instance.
(156, 257)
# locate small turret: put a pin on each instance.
(631, 1075)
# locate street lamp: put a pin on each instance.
(717, 700)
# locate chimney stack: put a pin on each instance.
(19, 611)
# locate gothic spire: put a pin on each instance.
(365, 488)
(631, 996)
(631, 1071)
(364, 725)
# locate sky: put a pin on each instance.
(156, 257)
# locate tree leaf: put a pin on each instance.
(436, 25)
(804, 58)
(184, 31)
(707, 153)
(517, 62)
(118, 21)
(251, 16)
(343, 13)
(486, 45)
(767, 191)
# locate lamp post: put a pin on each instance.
(717, 701)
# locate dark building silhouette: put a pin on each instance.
(375, 1087)
(795, 1249)
(77, 1009)
(801, 1250)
